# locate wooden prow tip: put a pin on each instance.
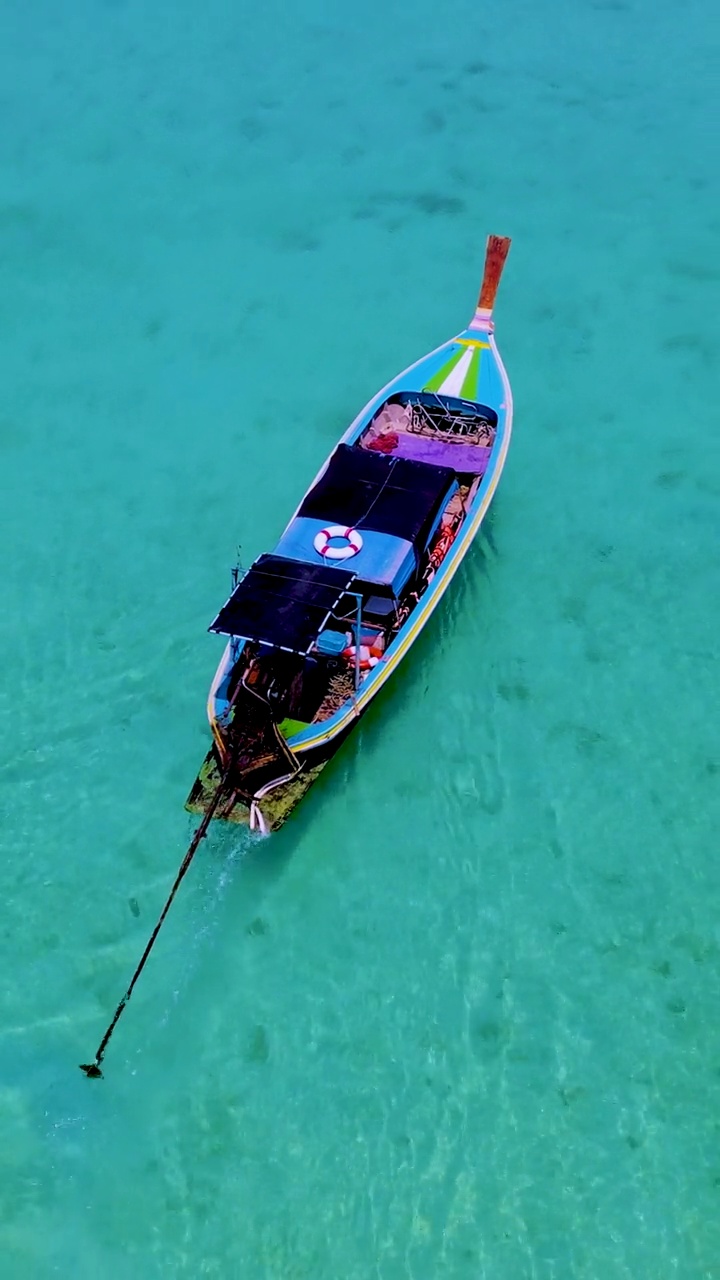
(496, 252)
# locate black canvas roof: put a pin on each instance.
(373, 491)
(282, 602)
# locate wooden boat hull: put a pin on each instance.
(277, 805)
(468, 372)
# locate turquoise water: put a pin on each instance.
(459, 1018)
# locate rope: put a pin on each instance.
(92, 1069)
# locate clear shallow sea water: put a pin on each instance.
(459, 1019)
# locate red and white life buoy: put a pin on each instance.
(368, 658)
(353, 542)
(370, 654)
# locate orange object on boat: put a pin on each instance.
(370, 655)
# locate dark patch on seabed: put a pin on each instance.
(257, 927)
(669, 479)
(298, 241)
(514, 691)
(258, 1045)
(431, 204)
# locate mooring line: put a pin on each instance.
(92, 1069)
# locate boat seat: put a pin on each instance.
(380, 609)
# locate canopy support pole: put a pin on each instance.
(357, 640)
(358, 624)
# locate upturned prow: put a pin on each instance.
(496, 252)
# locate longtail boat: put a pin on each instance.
(317, 625)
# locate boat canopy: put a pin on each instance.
(382, 560)
(282, 602)
(373, 491)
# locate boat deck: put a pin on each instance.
(434, 431)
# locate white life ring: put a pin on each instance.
(368, 658)
(353, 541)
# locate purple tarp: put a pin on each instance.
(462, 457)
